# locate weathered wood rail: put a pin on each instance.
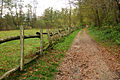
(17, 38)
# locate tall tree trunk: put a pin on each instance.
(118, 5)
(98, 18)
(1, 8)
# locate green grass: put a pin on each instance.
(10, 51)
(45, 68)
(107, 37)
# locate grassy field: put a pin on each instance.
(45, 68)
(10, 51)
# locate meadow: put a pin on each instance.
(10, 51)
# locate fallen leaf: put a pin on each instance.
(31, 72)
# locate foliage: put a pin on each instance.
(39, 23)
(15, 15)
(106, 34)
(99, 12)
(56, 18)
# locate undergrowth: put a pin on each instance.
(106, 34)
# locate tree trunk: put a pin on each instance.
(98, 19)
(41, 41)
(49, 39)
(17, 38)
(1, 8)
(118, 5)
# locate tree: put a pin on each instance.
(29, 14)
(98, 12)
(2, 5)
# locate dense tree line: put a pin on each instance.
(12, 14)
(95, 12)
(98, 12)
(15, 16)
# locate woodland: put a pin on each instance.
(98, 13)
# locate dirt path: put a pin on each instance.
(85, 61)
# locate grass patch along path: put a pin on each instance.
(45, 68)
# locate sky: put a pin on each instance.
(43, 4)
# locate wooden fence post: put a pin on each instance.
(59, 32)
(49, 39)
(53, 37)
(41, 41)
(68, 30)
(21, 48)
(65, 31)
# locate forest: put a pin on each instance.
(96, 12)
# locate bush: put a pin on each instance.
(111, 34)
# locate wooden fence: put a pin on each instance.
(61, 33)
